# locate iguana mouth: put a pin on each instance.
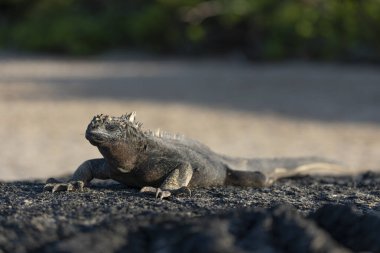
(95, 138)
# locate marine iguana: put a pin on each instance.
(165, 164)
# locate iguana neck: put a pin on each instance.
(121, 154)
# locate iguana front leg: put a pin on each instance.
(90, 169)
(176, 182)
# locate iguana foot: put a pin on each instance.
(161, 194)
(53, 185)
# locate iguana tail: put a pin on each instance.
(260, 172)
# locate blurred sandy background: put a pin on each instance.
(235, 107)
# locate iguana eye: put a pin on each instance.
(111, 127)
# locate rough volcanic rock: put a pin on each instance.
(306, 214)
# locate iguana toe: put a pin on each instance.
(149, 189)
(48, 187)
(53, 185)
(50, 184)
(78, 185)
(61, 187)
(160, 194)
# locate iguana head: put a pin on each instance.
(106, 130)
(119, 139)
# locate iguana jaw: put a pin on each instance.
(96, 138)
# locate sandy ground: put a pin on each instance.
(237, 108)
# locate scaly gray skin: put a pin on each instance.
(163, 164)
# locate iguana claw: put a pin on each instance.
(161, 194)
(53, 185)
